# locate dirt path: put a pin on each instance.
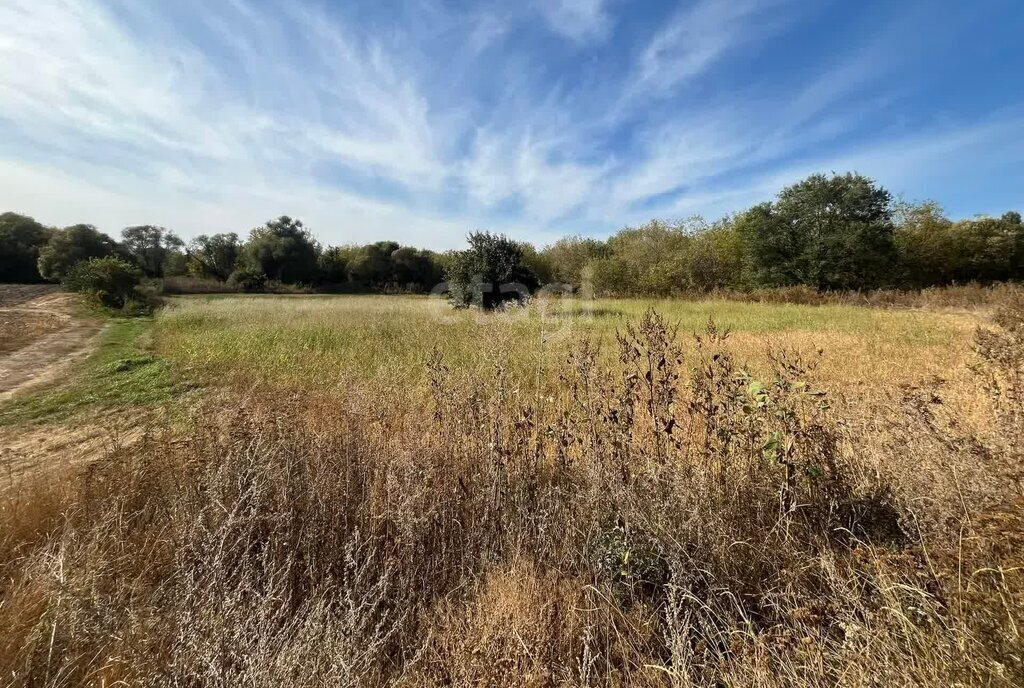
(35, 353)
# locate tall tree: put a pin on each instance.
(829, 232)
(569, 257)
(927, 245)
(283, 250)
(21, 239)
(371, 267)
(214, 256)
(72, 245)
(151, 247)
(415, 269)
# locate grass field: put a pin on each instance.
(366, 490)
(332, 342)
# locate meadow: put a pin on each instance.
(380, 490)
(334, 342)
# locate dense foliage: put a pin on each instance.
(155, 250)
(214, 256)
(110, 281)
(283, 250)
(826, 232)
(21, 239)
(838, 232)
(70, 246)
(489, 273)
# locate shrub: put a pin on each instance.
(490, 273)
(110, 281)
(249, 280)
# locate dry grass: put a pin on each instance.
(655, 514)
(335, 343)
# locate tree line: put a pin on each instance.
(829, 232)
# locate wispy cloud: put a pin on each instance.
(580, 20)
(423, 125)
(699, 34)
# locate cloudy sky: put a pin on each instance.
(420, 120)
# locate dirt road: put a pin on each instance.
(40, 336)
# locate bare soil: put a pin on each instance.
(41, 334)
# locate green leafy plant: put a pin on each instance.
(109, 281)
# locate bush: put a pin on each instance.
(490, 273)
(110, 281)
(248, 280)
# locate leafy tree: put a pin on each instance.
(333, 265)
(380, 266)
(248, 279)
(415, 269)
(611, 276)
(214, 256)
(21, 239)
(715, 258)
(152, 248)
(283, 250)
(489, 273)
(828, 232)
(72, 245)
(370, 266)
(990, 249)
(569, 257)
(926, 243)
(651, 258)
(537, 262)
(111, 281)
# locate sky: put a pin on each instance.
(420, 121)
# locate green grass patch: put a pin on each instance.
(328, 343)
(122, 372)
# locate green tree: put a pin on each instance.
(570, 256)
(111, 281)
(283, 250)
(333, 265)
(214, 256)
(927, 245)
(72, 245)
(537, 262)
(152, 248)
(715, 258)
(489, 273)
(651, 259)
(828, 232)
(990, 249)
(248, 279)
(21, 239)
(415, 269)
(370, 267)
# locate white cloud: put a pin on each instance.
(698, 35)
(582, 21)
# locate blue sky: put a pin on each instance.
(421, 120)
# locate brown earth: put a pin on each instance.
(41, 334)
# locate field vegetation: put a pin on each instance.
(382, 490)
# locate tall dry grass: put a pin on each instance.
(649, 523)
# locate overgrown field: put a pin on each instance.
(381, 491)
(333, 342)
